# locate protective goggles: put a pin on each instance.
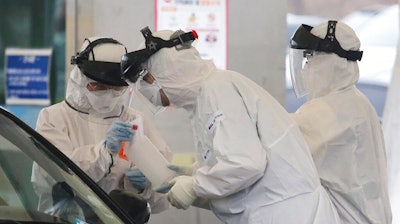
(131, 63)
(303, 39)
(96, 86)
(105, 72)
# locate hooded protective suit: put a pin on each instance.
(79, 131)
(344, 134)
(254, 165)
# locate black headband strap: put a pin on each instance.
(131, 63)
(84, 55)
(304, 39)
(153, 44)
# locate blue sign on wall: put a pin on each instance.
(27, 76)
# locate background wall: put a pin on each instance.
(256, 48)
(334, 9)
(255, 30)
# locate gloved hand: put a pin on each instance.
(137, 179)
(180, 171)
(163, 188)
(182, 195)
(118, 132)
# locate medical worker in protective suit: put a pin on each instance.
(339, 123)
(253, 163)
(92, 123)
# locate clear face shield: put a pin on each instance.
(148, 93)
(298, 64)
(96, 89)
(131, 63)
(303, 44)
(107, 104)
(149, 87)
(146, 96)
(104, 99)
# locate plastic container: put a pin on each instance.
(146, 156)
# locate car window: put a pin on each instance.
(38, 187)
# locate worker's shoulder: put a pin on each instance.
(54, 107)
(220, 79)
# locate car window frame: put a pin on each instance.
(66, 164)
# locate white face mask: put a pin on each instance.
(104, 101)
(151, 91)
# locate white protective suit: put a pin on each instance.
(391, 132)
(344, 134)
(255, 166)
(79, 132)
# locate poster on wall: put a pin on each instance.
(207, 17)
(27, 75)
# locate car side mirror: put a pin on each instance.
(133, 204)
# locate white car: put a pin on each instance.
(76, 198)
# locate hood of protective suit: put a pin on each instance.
(104, 52)
(327, 72)
(76, 92)
(180, 73)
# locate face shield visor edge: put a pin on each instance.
(298, 61)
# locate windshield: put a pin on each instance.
(38, 185)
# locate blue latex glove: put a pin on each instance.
(164, 188)
(118, 132)
(137, 179)
(182, 170)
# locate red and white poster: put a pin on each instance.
(207, 17)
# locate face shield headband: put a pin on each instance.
(102, 71)
(303, 39)
(131, 63)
